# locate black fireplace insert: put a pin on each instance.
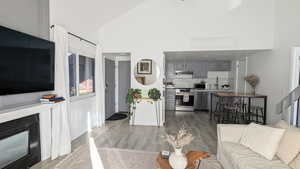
(20, 143)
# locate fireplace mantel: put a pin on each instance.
(13, 112)
(44, 110)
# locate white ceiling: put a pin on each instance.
(84, 18)
(210, 55)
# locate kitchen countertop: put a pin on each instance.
(247, 95)
(201, 90)
(212, 90)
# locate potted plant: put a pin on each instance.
(154, 94)
(132, 96)
(177, 159)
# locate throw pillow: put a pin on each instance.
(289, 146)
(262, 139)
(282, 124)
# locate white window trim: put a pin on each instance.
(78, 96)
(82, 97)
(82, 53)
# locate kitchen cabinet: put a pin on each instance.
(179, 66)
(170, 71)
(183, 66)
(219, 66)
(201, 100)
(170, 99)
(200, 69)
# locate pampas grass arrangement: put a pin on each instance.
(181, 139)
(253, 81)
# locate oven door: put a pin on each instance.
(182, 105)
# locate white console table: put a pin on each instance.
(148, 113)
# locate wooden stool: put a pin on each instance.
(192, 157)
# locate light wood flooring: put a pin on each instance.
(119, 134)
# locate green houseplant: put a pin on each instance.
(132, 95)
(131, 99)
(154, 94)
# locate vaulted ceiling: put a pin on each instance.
(85, 17)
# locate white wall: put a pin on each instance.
(29, 16)
(156, 26)
(273, 67)
(82, 116)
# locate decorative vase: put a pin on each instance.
(178, 160)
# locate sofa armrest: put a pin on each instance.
(230, 132)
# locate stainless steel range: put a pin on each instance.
(184, 100)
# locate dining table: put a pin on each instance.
(247, 97)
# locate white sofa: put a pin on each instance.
(232, 155)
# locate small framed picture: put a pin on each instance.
(144, 67)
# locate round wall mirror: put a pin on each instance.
(146, 72)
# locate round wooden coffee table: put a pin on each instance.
(192, 157)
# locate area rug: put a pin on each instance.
(117, 116)
(110, 158)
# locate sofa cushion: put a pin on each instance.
(289, 146)
(295, 164)
(263, 140)
(242, 157)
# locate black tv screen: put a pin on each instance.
(26, 63)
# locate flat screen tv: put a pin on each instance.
(26, 63)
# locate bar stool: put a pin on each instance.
(232, 114)
(219, 110)
(237, 111)
(257, 114)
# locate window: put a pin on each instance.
(86, 75)
(81, 75)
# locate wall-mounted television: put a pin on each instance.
(26, 63)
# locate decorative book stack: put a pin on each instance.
(51, 99)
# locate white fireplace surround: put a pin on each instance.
(44, 111)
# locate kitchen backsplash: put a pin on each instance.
(224, 78)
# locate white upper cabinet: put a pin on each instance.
(219, 66)
(180, 66)
(199, 69)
